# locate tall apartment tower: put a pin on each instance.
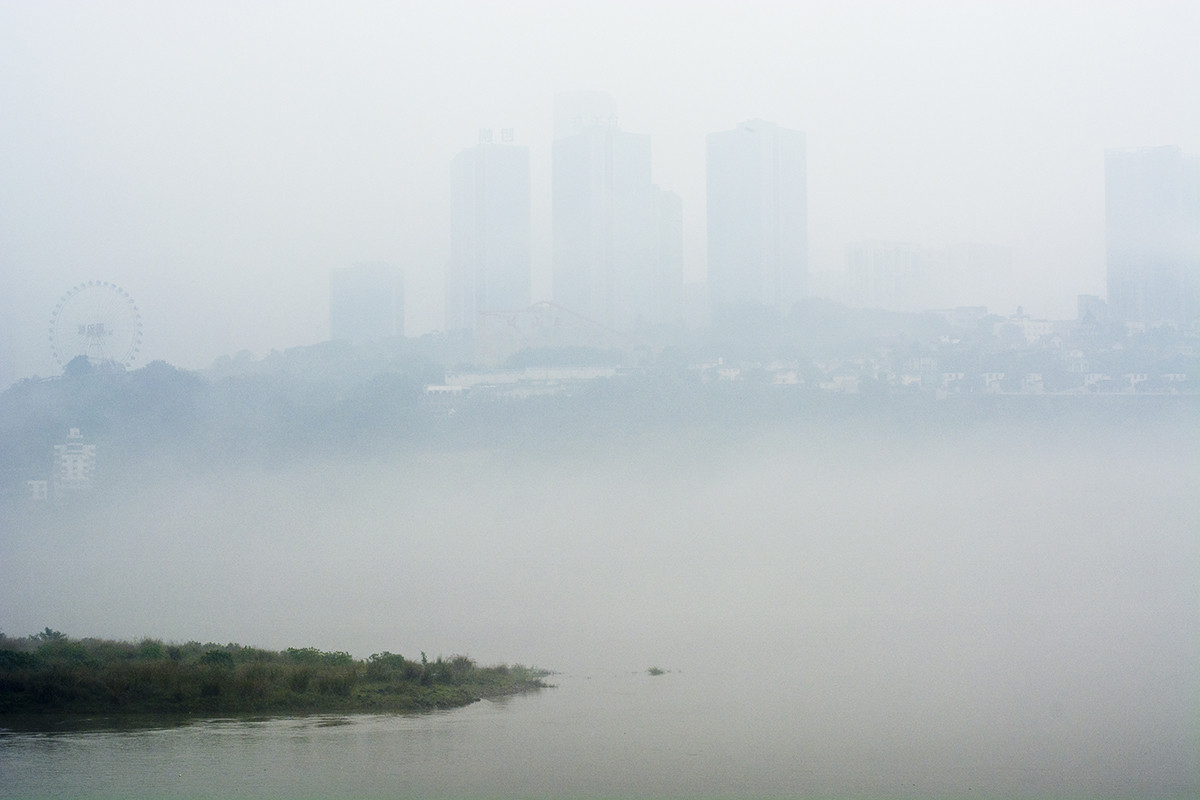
(366, 303)
(885, 275)
(1152, 224)
(757, 216)
(665, 299)
(490, 239)
(617, 237)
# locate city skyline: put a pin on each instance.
(217, 162)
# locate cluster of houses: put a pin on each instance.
(851, 376)
(982, 355)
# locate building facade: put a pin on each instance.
(757, 216)
(490, 238)
(1152, 226)
(665, 301)
(885, 275)
(618, 238)
(75, 464)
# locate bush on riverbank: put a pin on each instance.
(49, 672)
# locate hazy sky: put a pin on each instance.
(218, 159)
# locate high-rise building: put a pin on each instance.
(885, 275)
(665, 294)
(366, 303)
(1152, 224)
(490, 250)
(757, 216)
(618, 238)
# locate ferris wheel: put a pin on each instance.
(99, 320)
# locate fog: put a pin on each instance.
(218, 160)
(991, 560)
(1001, 600)
(966, 535)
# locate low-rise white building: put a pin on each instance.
(75, 463)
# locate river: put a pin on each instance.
(629, 735)
(1007, 612)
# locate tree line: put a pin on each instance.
(49, 672)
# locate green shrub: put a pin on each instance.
(299, 680)
(50, 672)
(337, 658)
(17, 659)
(254, 682)
(311, 655)
(217, 658)
(64, 651)
(387, 666)
(151, 649)
(336, 683)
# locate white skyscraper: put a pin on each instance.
(665, 293)
(617, 236)
(885, 275)
(490, 250)
(1152, 215)
(757, 216)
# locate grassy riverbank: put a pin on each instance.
(52, 673)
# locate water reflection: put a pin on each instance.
(49, 724)
(683, 734)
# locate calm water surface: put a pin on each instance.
(1014, 613)
(633, 735)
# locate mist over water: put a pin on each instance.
(1014, 593)
(837, 359)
